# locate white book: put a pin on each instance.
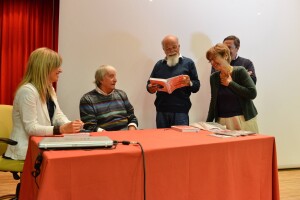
(233, 133)
(208, 126)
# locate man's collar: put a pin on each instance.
(236, 57)
(102, 92)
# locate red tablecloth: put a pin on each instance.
(183, 166)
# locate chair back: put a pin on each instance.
(5, 124)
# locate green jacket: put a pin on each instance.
(242, 85)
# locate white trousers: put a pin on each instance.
(239, 123)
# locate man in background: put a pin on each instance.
(172, 109)
(106, 108)
(233, 43)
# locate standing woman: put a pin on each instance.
(35, 108)
(232, 92)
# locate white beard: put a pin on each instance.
(172, 60)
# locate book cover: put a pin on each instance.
(170, 84)
(183, 128)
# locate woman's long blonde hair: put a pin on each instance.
(41, 62)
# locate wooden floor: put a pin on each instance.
(289, 184)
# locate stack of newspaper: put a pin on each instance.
(233, 133)
(220, 130)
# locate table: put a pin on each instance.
(179, 166)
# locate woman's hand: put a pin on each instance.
(72, 127)
(225, 79)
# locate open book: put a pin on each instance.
(170, 84)
(209, 126)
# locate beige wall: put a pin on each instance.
(127, 34)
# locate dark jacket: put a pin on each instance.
(242, 85)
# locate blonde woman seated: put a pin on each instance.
(35, 108)
(232, 92)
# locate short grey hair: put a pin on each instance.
(100, 73)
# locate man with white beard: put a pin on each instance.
(172, 109)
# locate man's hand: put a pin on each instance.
(186, 80)
(153, 88)
(131, 128)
